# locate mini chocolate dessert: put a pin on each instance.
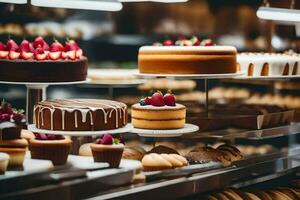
(50, 147)
(108, 149)
(160, 149)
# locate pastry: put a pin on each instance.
(85, 150)
(277, 195)
(11, 121)
(232, 152)
(28, 135)
(187, 59)
(158, 112)
(266, 64)
(39, 62)
(289, 192)
(154, 161)
(207, 154)
(4, 159)
(16, 150)
(160, 149)
(80, 114)
(108, 149)
(134, 153)
(50, 147)
(262, 195)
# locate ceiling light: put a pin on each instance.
(279, 14)
(101, 5)
(14, 1)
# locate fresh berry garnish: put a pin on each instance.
(142, 102)
(195, 41)
(11, 45)
(5, 117)
(41, 136)
(40, 54)
(207, 42)
(2, 46)
(13, 55)
(71, 45)
(148, 100)
(79, 53)
(56, 46)
(98, 141)
(6, 108)
(168, 43)
(71, 55)
(50, 136)
(25, 46)
(18, 117)
(55, 55)
(169, 99)
(107, 139)
(157, 99)
(4, 54)
(26, 55)
(157, 44)
(39, 42)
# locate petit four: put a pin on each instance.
(50, 147)
(134, 153)
(160, 149)
(108, 149)
(16, 150)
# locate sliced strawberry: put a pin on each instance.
(13, 55)
(71, 45)
(55, 55)
(2, 46)
(11, 45)
(79, 53)
(25, 46)
(71, 55)
(4, 54)
(64, 55)
(26, 55)
(40, 54)
(56, 46)
(39, 42)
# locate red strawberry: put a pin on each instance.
(195, 41)
(168, 43)
(50, 137)
(39, 42)
(148, 100)
(207, 42)
(3, 54)
(6, 109)
(56, 46)
(13, 55)
(40, 54)
(169, 99)
(5, 117)
(25, 46)
(64, 55)
(71, 55)
(26, 55)
(107, 139)
(11, 45)
(2, 46)
(18, 117)
(41, 136)
(98, 141)
(71, 45)
(55, 55)
(79, 53)
(157, 99)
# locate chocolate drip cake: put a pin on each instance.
(80, 115)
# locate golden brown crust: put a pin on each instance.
(134, 153)
(154, 161)
(35, 142)
(21, 143)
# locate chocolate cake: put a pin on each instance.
(43, 71)
(80, 114)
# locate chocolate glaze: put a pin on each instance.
(43, 71)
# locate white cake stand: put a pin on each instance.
(268, 78)
(33, 128)
(36, 92)
(188, 128)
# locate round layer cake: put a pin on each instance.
(43, 71)
(158, 117)
(187, 59)
(80, 115)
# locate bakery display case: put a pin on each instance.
(103, 105)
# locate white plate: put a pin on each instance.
(188, 128)
(125, 129)
(117, 83)
(267, 77)
(191, 76)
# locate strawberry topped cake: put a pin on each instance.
(40, 62)
(187, 56)
(158, 112)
